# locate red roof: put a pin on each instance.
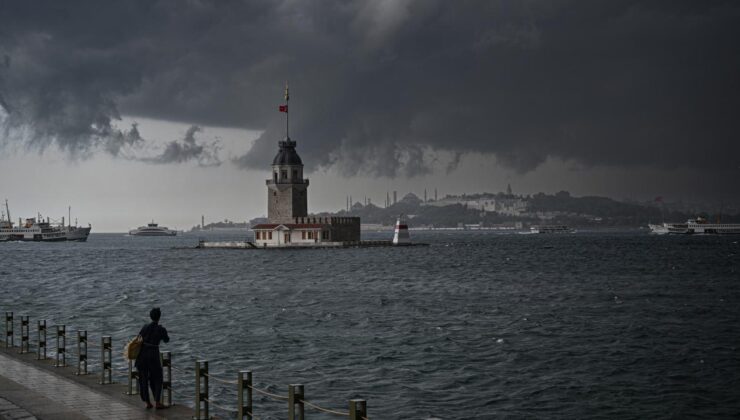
(273, 226)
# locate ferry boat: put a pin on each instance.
(550, 229)
(38, 230)
(152, 229)
(698, 226)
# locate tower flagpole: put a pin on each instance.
(287, 111)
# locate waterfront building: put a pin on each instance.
(508, 205)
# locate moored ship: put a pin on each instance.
(152, 229)
(698, 226)
(38, 230)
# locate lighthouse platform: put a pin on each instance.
(251, 245)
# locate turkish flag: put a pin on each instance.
(283, 108)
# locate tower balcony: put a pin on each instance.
(287, 182)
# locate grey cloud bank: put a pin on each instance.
(188, 150)
(385, 88)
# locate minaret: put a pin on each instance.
(287, 191)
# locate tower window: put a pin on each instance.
(274, 176)
(295, 174)
(284, 174)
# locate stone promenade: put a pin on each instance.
(35, 389)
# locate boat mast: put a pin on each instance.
(69, 215)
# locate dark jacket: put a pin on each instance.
(153, 334)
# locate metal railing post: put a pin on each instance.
(357, 409)
(244, 408)
(166, 358)
(81, 352)
(61, 346)
(201, 393)
(9, 339)
(106, 360)
(133, 379)
(295, 398)
(25, 332)
(42, 340)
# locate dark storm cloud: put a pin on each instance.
(188, 149)
(115, 140)
(384, 87)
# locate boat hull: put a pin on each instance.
(78, 234)
(551, 229)
(134, 233)
(35, 238)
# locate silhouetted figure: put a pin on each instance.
(148, 363)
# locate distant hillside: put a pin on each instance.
(490, 209)
(226, 224)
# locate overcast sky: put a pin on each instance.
(131, 110)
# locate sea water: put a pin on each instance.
(475, 326)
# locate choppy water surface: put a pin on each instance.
(477, 325)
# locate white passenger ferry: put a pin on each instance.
(152, 229)
(698, 226)
(38, 230)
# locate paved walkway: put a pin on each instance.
(31, 389)
(63, 393)
(10, 411)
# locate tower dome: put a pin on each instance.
(287, 154)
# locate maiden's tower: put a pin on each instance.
(289, 224)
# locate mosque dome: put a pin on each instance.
(287, 154)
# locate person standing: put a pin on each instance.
(148, 361)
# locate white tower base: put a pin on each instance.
(401, 233)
